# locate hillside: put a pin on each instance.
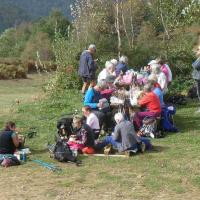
(13, 12)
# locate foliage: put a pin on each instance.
(14, 12)
(12, 71)
(147, 30)
(65, 50)
(33, 48)
(183, 88)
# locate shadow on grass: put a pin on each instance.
(39, 151)
(158, 149)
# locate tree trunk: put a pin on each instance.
(118, 28)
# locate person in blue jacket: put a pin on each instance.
(87, 67)
(100, 108)
(93, 95)
(121, 66)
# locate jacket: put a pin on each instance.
(87, 67)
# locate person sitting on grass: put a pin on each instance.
(9, 140)
(100, 106)
(150, 103)
(162, 79)
(107, 71)
(152, 79)
(83, 139)
(93, 95)
(123, 138)
(91, 120)
(121, 66)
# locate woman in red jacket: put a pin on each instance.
(150, 103)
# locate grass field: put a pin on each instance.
(170, 171)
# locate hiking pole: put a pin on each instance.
(47, 165)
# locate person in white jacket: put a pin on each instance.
(107, 71)
(162, 79)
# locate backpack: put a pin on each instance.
(66, 124)
(192, 92)
(9, 161)
(62, 152)
(149, 127)
(167, 119)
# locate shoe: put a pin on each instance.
(107, 150)
(129, 153)
(152, 135)
(142, 147)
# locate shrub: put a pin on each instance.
(12, 71)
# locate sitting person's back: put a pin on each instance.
(8, 139)
(123, 138)
(152, 79)
(151, 102)
(122, 65)
(125, 134)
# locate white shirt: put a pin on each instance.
(169, 73)
(103, 75)
(162, 80)
(93, 121)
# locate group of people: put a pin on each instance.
(123, 128)
(122, 121)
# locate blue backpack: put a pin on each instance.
(167, 119)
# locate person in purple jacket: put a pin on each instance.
(87, 67)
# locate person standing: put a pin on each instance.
(87, 67)
(196, 72)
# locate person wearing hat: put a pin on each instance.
(87, 67)
(84, 136)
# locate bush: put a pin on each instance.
(12, 71)
(45, 66)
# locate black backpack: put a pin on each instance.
(62, 152)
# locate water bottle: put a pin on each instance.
(23, 157)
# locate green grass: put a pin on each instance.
(170, 171)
